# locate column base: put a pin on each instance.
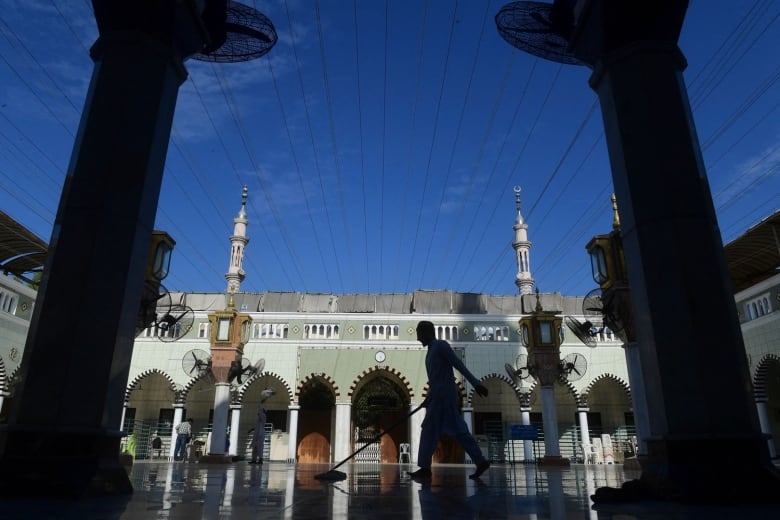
(554, 460)
(213, 458)
(702, 471)
(61, 465)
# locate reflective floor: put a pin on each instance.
(175, 490)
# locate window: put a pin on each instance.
(321, 331)
(270, 330)
(8, 301)
(204, 330)
(758, 307)
(380, 331)
(491, 332)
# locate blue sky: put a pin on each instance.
(389, 165)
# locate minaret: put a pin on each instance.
(238, 241)
(522, 246)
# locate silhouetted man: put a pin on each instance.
(442, 415)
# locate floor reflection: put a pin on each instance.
(166, 490)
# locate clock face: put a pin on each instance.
(379, 356)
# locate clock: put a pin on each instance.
(380, 357)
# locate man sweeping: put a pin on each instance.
(442, 414)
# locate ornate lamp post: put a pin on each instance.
(229, 333)
(540, 332)
(608, 265)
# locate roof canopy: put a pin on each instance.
(755, 255)
(20, 250)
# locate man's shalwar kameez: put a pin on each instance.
(442, 415)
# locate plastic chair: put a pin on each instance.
(405, 452)
(587, 453)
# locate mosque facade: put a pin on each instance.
(344, 368)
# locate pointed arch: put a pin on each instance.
(761, 374)
(143, 375)
(331, 383)
(243, 389)
(3, 378)
(623, 384)
(400, 378)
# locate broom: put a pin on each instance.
(334, 475)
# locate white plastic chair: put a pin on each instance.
(587, 453)
(405, 452)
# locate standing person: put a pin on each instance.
(183, 432)
(258, 438)
(442, 414)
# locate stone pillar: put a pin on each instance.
(235, 420)
(550, 420)
(99, 246)
(178, 413)
(415, 429)
(638, 396)
(292, 446)
(582, 414)
(343, 433)
(763, 419)
(528, 445)
(468, 417)
(220, 419)
(121, 421)
(684, 314)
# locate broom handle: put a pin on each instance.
(377, 437)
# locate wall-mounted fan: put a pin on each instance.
(238, 33)
(174, 322)
(520, 371)
(539, 29)
(154, 296)
(584, 330)
(196, 363)
(572, 367)
(242, 369)
(592, 304)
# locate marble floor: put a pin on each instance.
(176, 490)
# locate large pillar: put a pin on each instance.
(684, 313)
(178, 413)
(638, 396)
(220, 419)
(74, 369)
(235, 420)
(582, 414)
(343, 433)
(415, 429)
(468, 417)
(763, 419)
(550, 421)
(292, 446)
(528, 444)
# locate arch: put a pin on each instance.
(400, 378)
(182, 394)
(761, 374)
(143, 375)
(461, 392)
(239, 398)
(503, 377)
(3, 378)
(322, 376)
(624, 385)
